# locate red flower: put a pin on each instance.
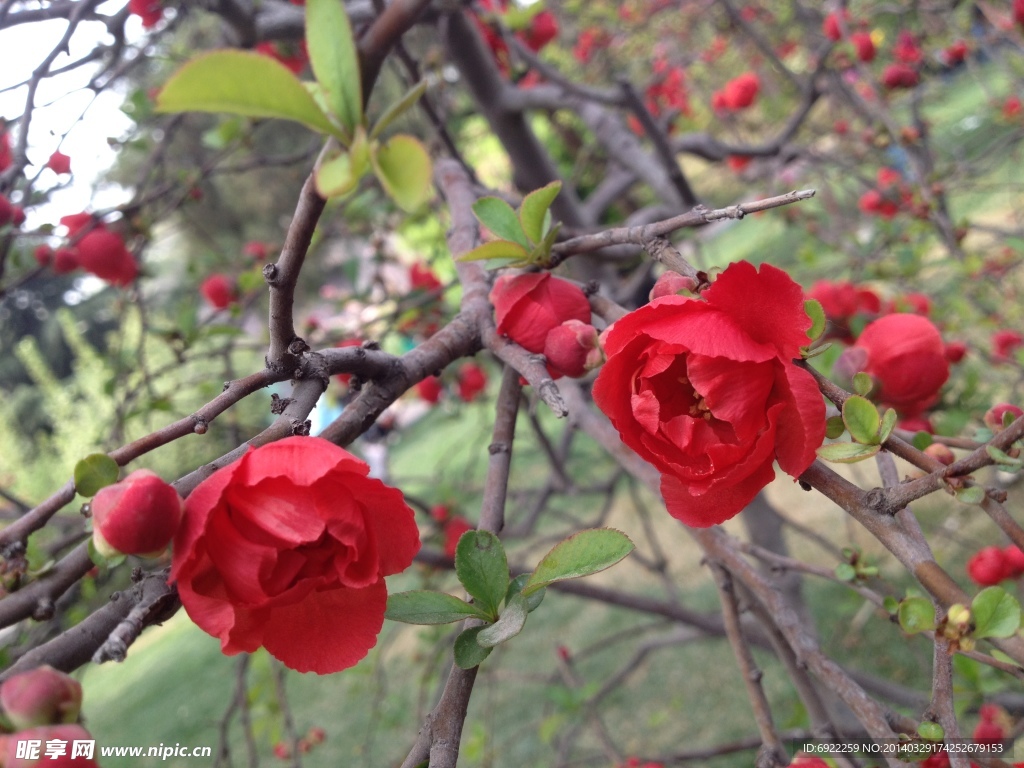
(218, 290)
(528, 307)
(955, 351)
(830, 26)
(906, 50)
(543, 29)
(1004, 343)
(453, 530)
(287, 548)
(865, 47)
(149, 11)
(738, 163)
(422, 278)
(103, 253)
(59, 163)
(292, 55)
(988, 567)
(706, 391)
(77, 222)
(256, 250)
(1011, 107)
(589, 39)
(988, 732)
(955, 54)
(43, 255)
(875, 202)
(429, 389)
(1014, 559)
(472, 381)
(906, 355)
(137, 516)
(842, 301)
(900, 76)
(64, 260)
(738, 93)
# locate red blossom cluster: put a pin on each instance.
(92, 247)
(890, 195)
(589, 40)
(543, 28)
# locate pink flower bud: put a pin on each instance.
(138, 515)
(569, 348)
(42, 696)
(995, 417)
(941, 453)
(671, 284)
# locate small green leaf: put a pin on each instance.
(1003, 459)
(482, 568)
(541, 254)
(888, 424)
(534, 207)
(468, 652)
(242, 83)
(508, 625)
(515, 586)
(847, 453)
(335, 62)
(862, 383)
(996, 613)
(973, 495)
(579, 555)
(930, 731)
(916, 614)
(814, 310)
(404, 168)
(807, 353)
(861, 419)
(335, 178)
(891, 604)
(102, 560)
(834, 427)
(922, 440)
(845, 572)
(499, 217)
(496, 249)
(95, 471)
(399, 108)
(425, 607)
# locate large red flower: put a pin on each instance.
(707, 392)
(287, 548)
(907, 356)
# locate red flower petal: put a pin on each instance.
(301, 461)
(198, 506)
(717, 505)
(328, 631)
(801, 427)
(387, 518)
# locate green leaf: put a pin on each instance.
(930, 731)
(482, 568)
(242, 83)
(404, 168)
(335, 177)
(496, 249)
(579, 555)
(399, 108)
(425, 607)
(534, 207)
(862, 383)
(861, 419)
(95, 471)
(922, 440)
(515, 586)
(916, 614)
(1003, 459)
(541, 254)
(891, 604)
(996, 613)
(845, 572)
(335, 62)
(814, 310)
(834, 427)
(499, 217)
(468, 652)
(847, 453)
(508, 625)
(888, 424)
(974, 495)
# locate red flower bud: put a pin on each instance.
(941, 453)
(422, 278)
(955, 351)
(150, 11)
(671, 284)
(955, 54)
(865, 47)
(453, 531)
(1004, 343)
(316, 735)
(256, 250)
(988, 732)
(572, 349)
(738, 93)
(43, 255)
(988, 567)
(104, 254)
(472, 381)
(138, 515)
(42, 696)
(440, 513)
(218, 290)
(995, 417)
(76, 222)
(528, 307)
(906, 50)
(1014, 559)
(59, 163)
(65, 260)
(900, 76)
(830, 26)
(543, 29)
